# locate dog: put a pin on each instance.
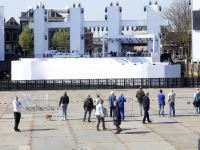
(48, 117)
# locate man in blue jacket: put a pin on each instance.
(111, 99)
(146, 106)
(121, 101)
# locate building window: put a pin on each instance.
(8, 48)
(87, 42)
(53, 14)
(30, 14)
(15, 37)
(177, 52)
(12, 23)
(7, 36)
(24, 25)
(165, 51)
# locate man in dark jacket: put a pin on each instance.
(111, 99)
(117, 117)
(64, 101)
(139, 95)
(87, 106)
(146, 106)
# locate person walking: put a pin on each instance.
(87, 106)
(117, 117)
(196, 102)
(161, 102)
(64, 101)
(146, 107)
(17, 113)
(111, 99)
(100, 115)
(171, 102)
(139, 95)
(121, 101)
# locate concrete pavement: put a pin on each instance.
(180, 132)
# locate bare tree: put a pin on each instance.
(179, 16)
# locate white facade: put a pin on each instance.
(91, 68)
(195, 34)
(2, 41)
(99, 68)
(113, 24)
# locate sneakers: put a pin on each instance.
(98, 129)
(117, 132)
(159, 115)
(163, 115)
(89, 121)
(149, 122)
(62, 119)
(144, 123)
(169, 116)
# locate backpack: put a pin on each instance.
(198, 97)
(141, 96)
(88, 102)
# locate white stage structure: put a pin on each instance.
(91, 68)
(2, 41)
(113, 24)
(195, 30)
(96, 68)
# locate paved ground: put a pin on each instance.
(180, 132)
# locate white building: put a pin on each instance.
(2, 41)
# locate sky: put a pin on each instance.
(93, 9)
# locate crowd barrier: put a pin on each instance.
(42, 106)
(83, 84)
(184, 102)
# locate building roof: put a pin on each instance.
(11, 19)
(26, 13)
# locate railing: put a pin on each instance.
(184, 102)
(84, 84)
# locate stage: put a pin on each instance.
(91, 68)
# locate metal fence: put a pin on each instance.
(184, 102)
(79, 84)
(44, 106)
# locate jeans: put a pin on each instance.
(122, 112)
(197, 110)
(146, 115)
(99, 119)
(161, 106)
(85, 113)
(140, 108)
(111, 110)
(64, 111)
(17, 117)
(171, 107)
